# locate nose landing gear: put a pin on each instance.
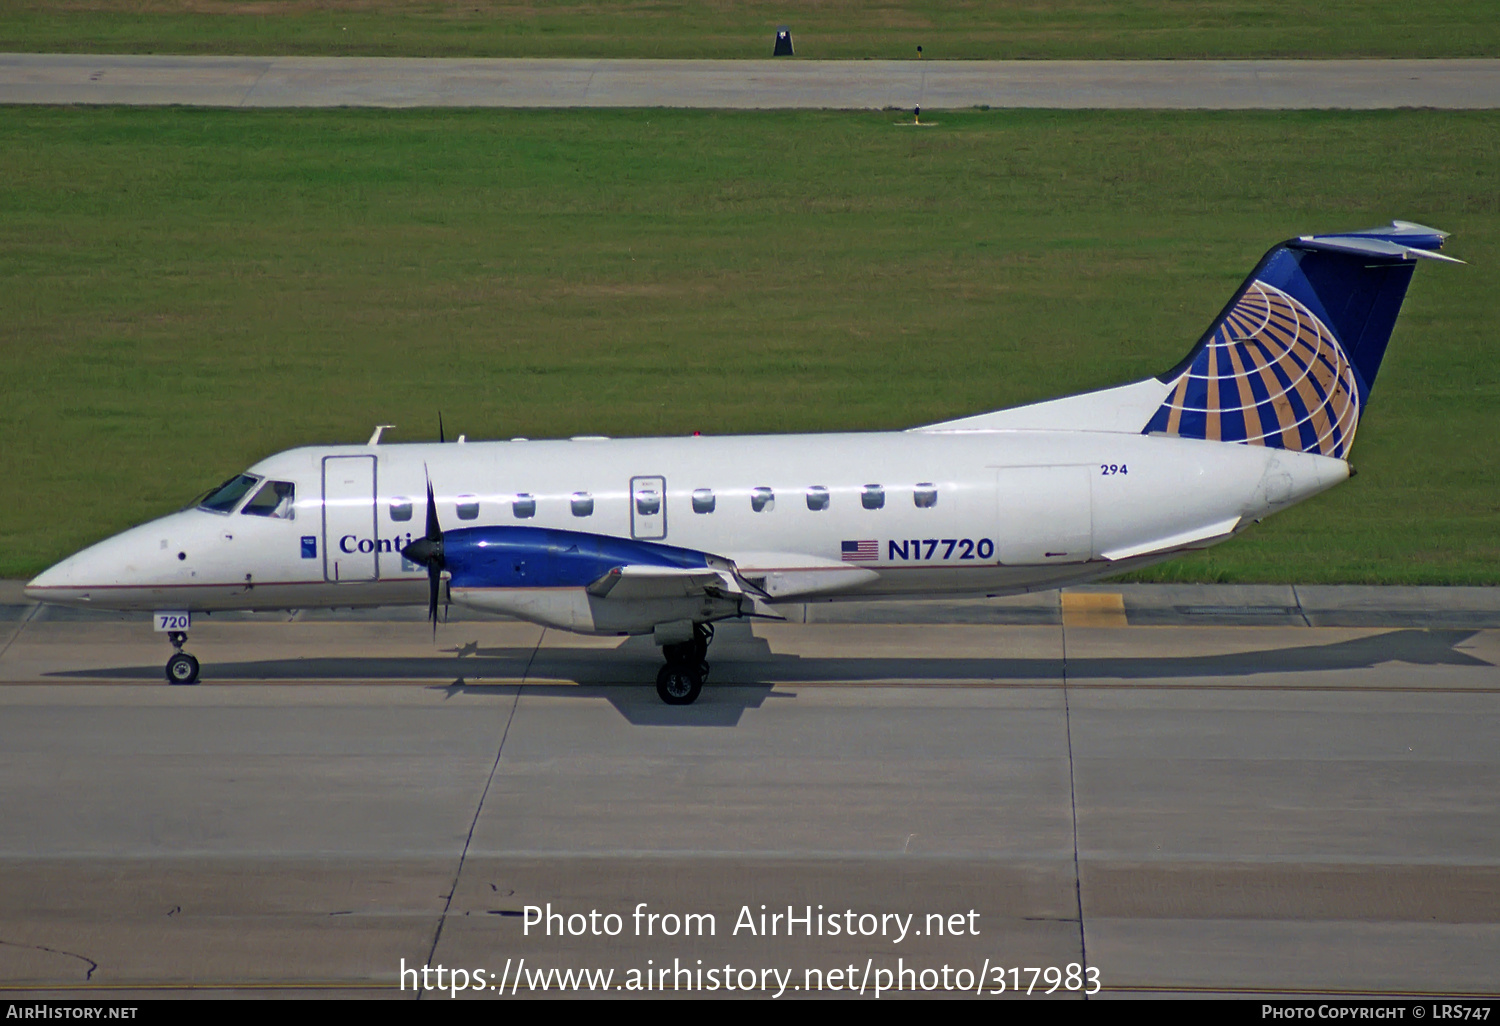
(680, 681)
(181, 668)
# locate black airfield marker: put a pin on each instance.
(783, 42)
(916, 120)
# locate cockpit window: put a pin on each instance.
(275, 499)
(224, 498)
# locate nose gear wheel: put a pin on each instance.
(181, 668)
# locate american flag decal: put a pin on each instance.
(859, 551)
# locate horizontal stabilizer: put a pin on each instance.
(1369, 247)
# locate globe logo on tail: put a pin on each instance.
(1271, 374)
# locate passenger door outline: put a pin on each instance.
(349, 509)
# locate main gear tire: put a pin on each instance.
(679, 683)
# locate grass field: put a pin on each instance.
(185, 291)
(843, 29)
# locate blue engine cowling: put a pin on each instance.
(542, 557)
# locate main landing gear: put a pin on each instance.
(181, 668)
(680, 681)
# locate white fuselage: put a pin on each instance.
(1000, 511)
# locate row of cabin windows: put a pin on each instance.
(648, 503)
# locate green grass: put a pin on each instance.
(185, 291)
(745, 28)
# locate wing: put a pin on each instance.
(780, 576)
(636, 582)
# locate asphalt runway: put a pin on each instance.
(1140, 781)
(750, 84)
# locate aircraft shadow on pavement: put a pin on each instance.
(718, 705)
(745, 670)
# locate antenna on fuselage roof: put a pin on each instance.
(379, 429)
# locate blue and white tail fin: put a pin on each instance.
(1291, 360)
(1288, 363)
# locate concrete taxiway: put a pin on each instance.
(503, 82)
(1189, 790)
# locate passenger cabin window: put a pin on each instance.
(873, 496)
(583, 504)
(703, 500)
(817, 497)
(275, 499)
(648, 502)
(524, 506)
(762, 499)
(925, 495)
(468, 507)
(224, 498)
(400, 509)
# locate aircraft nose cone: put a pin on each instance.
(132, 559)
(44, 587)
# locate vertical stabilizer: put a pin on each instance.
(1290, 361)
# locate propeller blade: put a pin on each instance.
(434, 531)
(428, 551)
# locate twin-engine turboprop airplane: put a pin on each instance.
(668, 536)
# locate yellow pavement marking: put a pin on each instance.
(1093, 609)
